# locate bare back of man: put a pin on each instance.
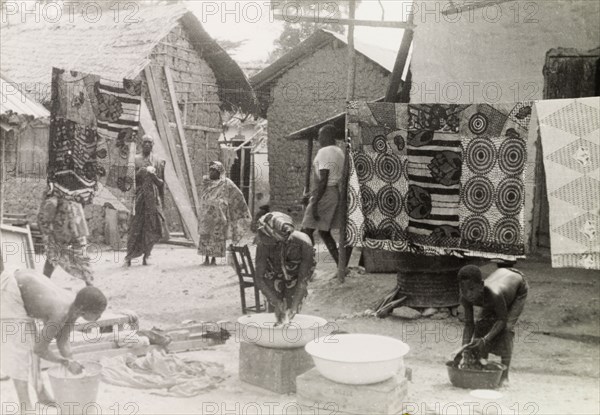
(29, 295)
(503, 283)
(43, 299)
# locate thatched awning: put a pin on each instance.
(113, 49)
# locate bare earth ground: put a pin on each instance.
(556, 363)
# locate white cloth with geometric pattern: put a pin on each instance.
(570, 133)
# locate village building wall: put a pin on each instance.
(313, 90)
(495, 53)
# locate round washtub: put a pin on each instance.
(357, 359)
(488, 378)
(260, 329)
(76, 394)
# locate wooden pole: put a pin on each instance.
(2, 178)
(182, 139)
(164, 131)
(243, 170)
(342, 254)
(252, 191)
(401, 61)
(350, 21)
(309, 151)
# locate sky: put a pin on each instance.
(252, 21)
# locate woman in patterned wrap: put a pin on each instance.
(148, 224)
(64, 234)
(285, 263)
(222, 208)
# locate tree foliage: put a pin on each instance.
(324, 13)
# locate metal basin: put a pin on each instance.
(357, 359)
(489, 378)
(260, 329)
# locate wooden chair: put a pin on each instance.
(20, 220)
(245, 271)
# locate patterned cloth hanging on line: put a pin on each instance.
(93, 132)
(570, 133)
(447, 179)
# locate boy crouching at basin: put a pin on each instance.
(26, 296)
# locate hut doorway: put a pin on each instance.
(241, 170)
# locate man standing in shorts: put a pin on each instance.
(322, 210)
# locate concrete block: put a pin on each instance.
(315, 391)
(273, 369)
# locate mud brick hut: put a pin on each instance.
(205, 78)
(304, 87)
(23, 127)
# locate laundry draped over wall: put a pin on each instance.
(93, 133)
(439, 179)
(570, 133)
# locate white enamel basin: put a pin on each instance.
(260, 329)
(357, 359)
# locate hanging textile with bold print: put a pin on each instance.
(494, 141)
(118, 119)
(438, 179)
(73, 136)
(434, 173)
(570, 132)
(93, 131)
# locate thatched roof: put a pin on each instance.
(112, 49)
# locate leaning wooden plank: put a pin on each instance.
(180, 242)
(89, 348)
(202, 128)
(178, 191)
(175, 347)
(191, 345)
(99, 355)
(181, 132)
(154, 98)
(158, 104)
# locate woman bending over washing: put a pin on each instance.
(285, 263)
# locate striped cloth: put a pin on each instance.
(434, 173)
(438, 179)
(118, 121)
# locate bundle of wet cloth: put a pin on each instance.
(168, 374)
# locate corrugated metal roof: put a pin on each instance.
(12, 99)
